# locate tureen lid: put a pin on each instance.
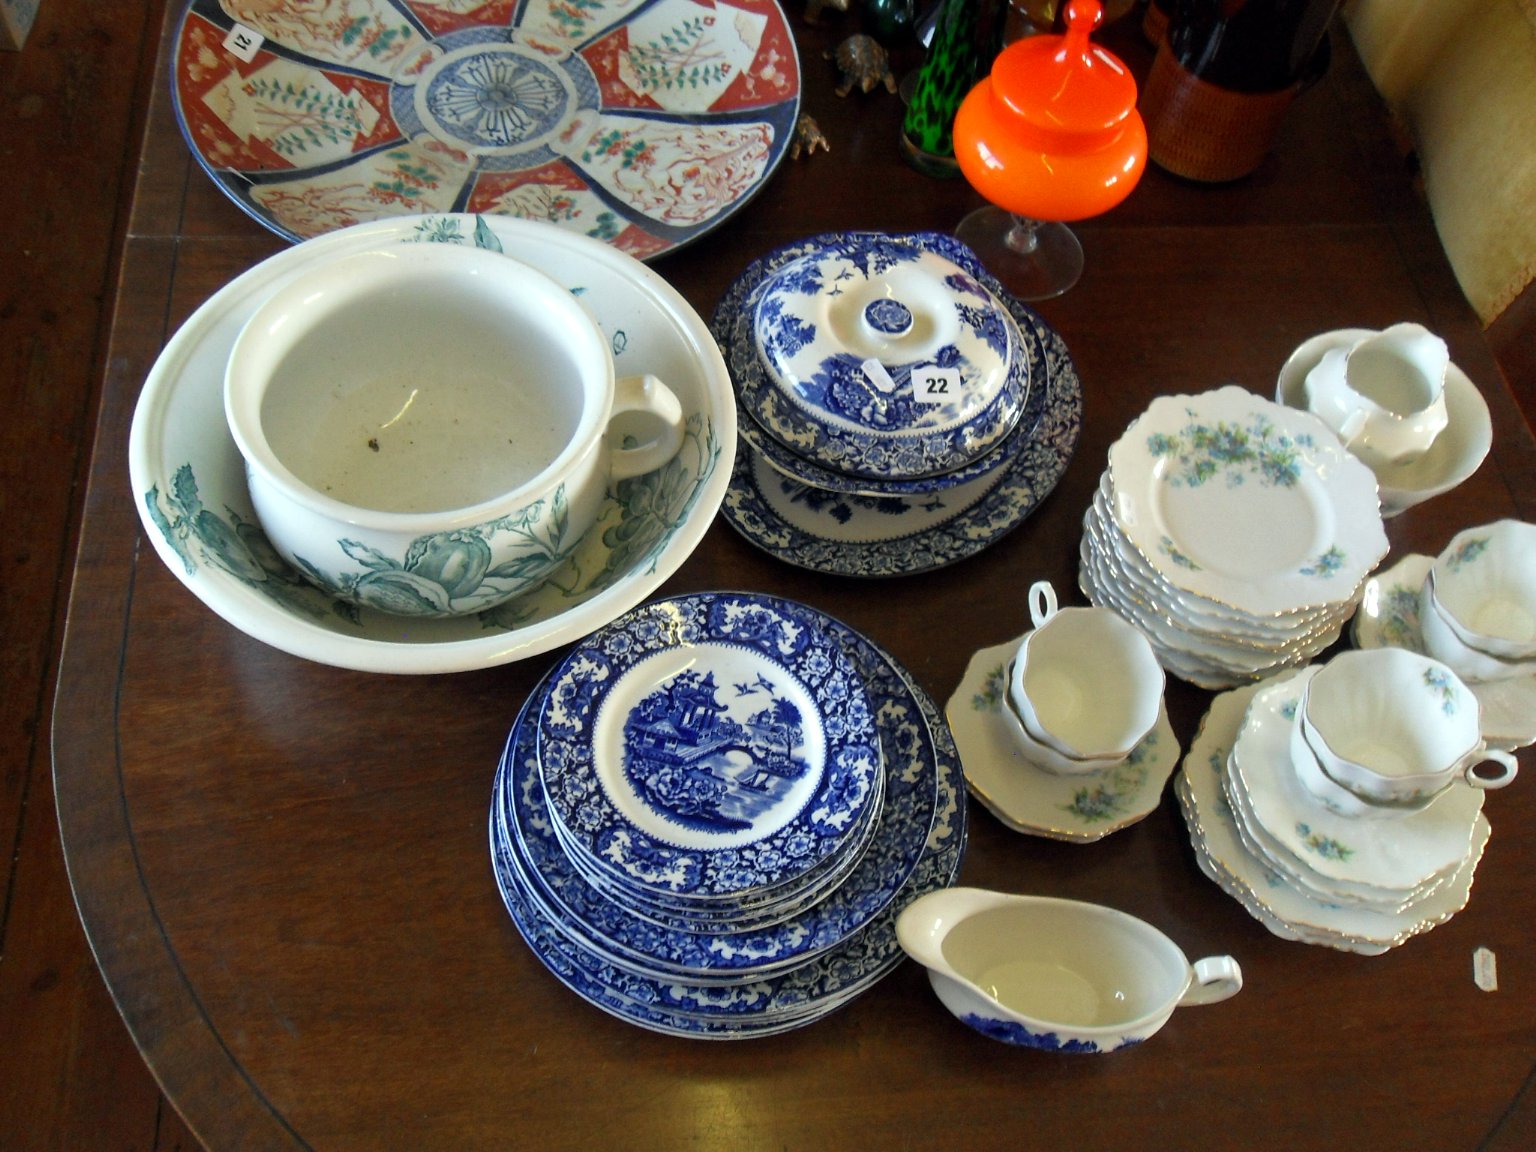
(894, 360)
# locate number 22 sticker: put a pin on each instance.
(935, 385)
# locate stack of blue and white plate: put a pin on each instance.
(709, 814)
(897, 410)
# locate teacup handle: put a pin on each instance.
(1508, 766)
(1353, 425)
(653, 432)
(1042, 602)
(1216, 978)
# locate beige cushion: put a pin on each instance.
(1462, 76)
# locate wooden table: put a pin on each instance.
(282, 866)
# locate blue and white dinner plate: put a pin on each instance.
(863, 536)
(709, 747)
(752, 1007)
(724, 953)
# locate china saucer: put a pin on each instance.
(1456, 453)
(1028, 799)
(189, 479)
(1388, 617)
(644, 126)
(1264, 893)
(844, 535)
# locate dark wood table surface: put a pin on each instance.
(282, 866)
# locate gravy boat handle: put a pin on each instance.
(1215, 978)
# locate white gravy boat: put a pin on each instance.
(1061, 975)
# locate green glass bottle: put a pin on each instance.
(966, 37)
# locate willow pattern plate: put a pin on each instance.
(710, 745)
(809, 991)
(1245, 502)
(609, 924)
(189, 478)
(642, 125)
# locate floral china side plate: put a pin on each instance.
(643, 126)
(189, 479)
(1245, 502)
(1029, 799)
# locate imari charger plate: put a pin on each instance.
(643, 123)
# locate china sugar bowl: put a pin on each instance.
(883, 359)
(429, 430)
(1060, 975)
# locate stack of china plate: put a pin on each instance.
(899, 410)
(1236, 533)
(709, 814)
(1307, 869)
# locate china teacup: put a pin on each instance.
(1449, 644)
(1398, 728)
(429, 429)
(1385, 395)
(1484, 586)
(1084, 683)
(1325, 790)
(1055, 974)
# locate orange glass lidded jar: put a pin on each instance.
(1053, 132)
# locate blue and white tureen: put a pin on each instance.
(884, 359)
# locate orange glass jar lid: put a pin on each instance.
(1065, 86)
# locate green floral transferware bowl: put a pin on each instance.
(189, 480)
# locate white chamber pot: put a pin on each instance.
(429, 429)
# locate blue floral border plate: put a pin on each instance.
(710, 746)
(844, 543)
(189, 480)
(754, 1008)
(722, 953)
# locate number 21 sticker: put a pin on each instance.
(243, 42)
(935, 385)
